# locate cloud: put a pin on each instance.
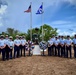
(71, 17)
(3, 2)
(17, 19)
(3, 9)
(60, 22)
(73, 2)
(65, 33)
(3, 6)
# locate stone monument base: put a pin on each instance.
(36, 50)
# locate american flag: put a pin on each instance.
(28, 10)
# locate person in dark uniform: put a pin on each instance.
(23, 43)
(11, 46)
(2, 47)
(68, 46)
(17, 43)
(50, 44)
(62, 43)
(7, 48)
(74, 44)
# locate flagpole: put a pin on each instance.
(42, 22)
(40, 11)
(31, 22)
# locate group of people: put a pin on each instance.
(57, 46)
(16, 47)
(61, 47)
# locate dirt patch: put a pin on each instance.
(38, 65)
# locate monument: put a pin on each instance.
(36, 50)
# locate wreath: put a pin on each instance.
(43, 45)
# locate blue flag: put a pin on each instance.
(40, 10)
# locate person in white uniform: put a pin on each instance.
(50, 44)
(23, 43)
(11, 46)
(17, 43)
(62, 43)
(74, 45)
(2, 47)
(7, 48)
(20, 47)
(56, 43)
(68, 46)
(53, 46)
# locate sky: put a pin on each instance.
(60, 14)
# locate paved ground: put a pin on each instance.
(38, 65)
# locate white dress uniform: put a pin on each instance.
(53, 39)
(56, 42)
(50, 42)
(2, 43)
(74, 40)
(23, 41)
(62, 41)
(6, 41)
(17, 42)
(68, 42)
(11, 44)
